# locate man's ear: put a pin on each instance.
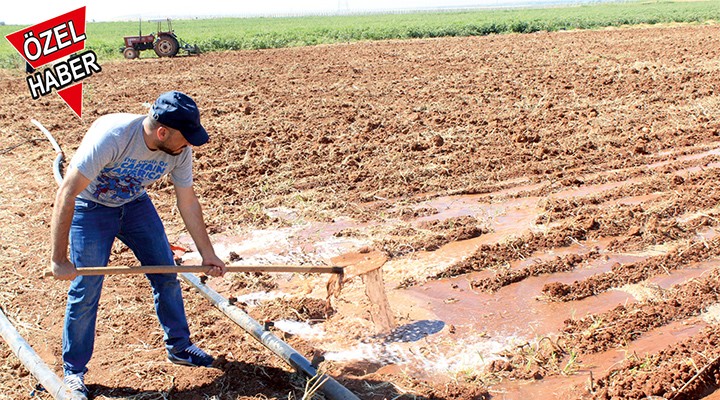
(162, 132)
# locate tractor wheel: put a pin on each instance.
(130, 53)
(166, 46)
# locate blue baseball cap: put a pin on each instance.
(178, 111)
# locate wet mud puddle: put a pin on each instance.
(444, 329)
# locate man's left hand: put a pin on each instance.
(217, 266)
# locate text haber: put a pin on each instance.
(63, 74)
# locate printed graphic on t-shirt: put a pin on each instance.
(126, 179)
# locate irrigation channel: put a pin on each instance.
(52, 383)
(459, 322)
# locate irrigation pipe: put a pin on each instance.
(57, 165)
(330, 387)
(22, 349)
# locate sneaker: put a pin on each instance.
(191, 357)
(76, 384)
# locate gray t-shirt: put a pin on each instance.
(114, 156)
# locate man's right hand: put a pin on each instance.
(73, 183)
(63, 270)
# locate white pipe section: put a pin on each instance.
(60, 156)
(22, 349)
(47, 133)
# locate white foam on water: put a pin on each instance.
(274, 247)
(359, 352)
(335, 246)
(712, 315)
(259, 241)
(302, 329)
(449, 358)
(467, 357)
(262, 247)
(256, 297)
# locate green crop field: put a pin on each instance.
(105, 38)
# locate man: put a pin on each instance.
(103, 197)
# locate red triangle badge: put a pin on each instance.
(73, 96)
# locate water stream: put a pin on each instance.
(444, 329)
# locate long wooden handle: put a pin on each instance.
(163, 269)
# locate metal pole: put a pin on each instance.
(22, 349)
(331, 388)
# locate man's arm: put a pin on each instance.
(73, 183)
(191, 213)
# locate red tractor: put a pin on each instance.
(165, 43)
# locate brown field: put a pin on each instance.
(548, 204)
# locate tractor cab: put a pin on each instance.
(164, 42)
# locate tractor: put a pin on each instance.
(165, 43)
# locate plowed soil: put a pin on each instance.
(548, 204)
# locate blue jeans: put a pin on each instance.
(94, 228)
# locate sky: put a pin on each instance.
(102, 10)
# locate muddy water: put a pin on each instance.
(593, 366)
(456, 331)
(380, 310)
(515, 310)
